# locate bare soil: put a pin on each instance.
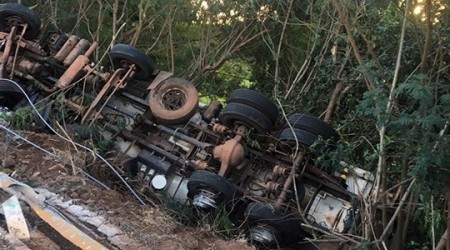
(144, 226)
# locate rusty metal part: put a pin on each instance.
(69, 75)
(29, 67)
(95, 77)
(159, 142)
(35, 81)
(193, 150)
(66, 48)
(160, 77)
(91, 49)
(201, 165)
(77, 107)
(212, 111)
(75, 68)
(240, 132)
(280, 170)
(8, 64)
(272, 186)
(28, 45)
(152, 147)
(81, 47)
(219, 128)
(116, 81)
(183, 137)
(17, 51)
(7, 51)
(289, 181)
(230, 154)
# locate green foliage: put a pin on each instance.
(233, 74)
(216, 219)
(181, 212)
(22, 119)
(430, 217)
(186, 38)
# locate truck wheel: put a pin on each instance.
(10, 94)
(255, 100)
(208, 190)
(237, 113)
(303, 137)
(124, 55)
(269, 227)
(12, 14)
(314, 125)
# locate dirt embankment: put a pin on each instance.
(111, 217)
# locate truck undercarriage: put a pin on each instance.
(240, 157)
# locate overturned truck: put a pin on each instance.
(239, 157)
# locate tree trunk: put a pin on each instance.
(427, 44)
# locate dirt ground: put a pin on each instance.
(140, 226)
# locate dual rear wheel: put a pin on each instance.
(250, 108)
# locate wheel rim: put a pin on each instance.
(14, 20)
(127, 64)
(262, 235)
(173, 99)
(205, 200)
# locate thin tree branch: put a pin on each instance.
(382, 130)
(351, 39)
(277, 55)
(397, 211)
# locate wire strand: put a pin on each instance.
(75, 143)
(54, 155)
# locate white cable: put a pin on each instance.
(52, 154)
(28, 141)
(77, 144)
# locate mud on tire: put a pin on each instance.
(174, 101)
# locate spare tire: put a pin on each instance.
(174, 101)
